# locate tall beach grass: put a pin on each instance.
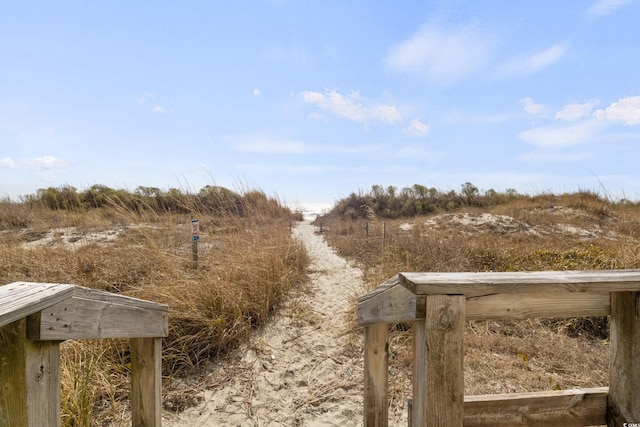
(139, 244)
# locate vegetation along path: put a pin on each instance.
(304, 368)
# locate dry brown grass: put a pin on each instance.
(547, 232)
(246, 267)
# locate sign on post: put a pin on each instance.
(195, 229)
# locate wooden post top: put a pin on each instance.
(487, 283)
(64, 311)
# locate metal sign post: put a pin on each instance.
(195, 236)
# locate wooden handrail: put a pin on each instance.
(523, 282)
(35, 317)
(436, 304)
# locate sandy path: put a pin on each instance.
(301, 369)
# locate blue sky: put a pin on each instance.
(313, 100)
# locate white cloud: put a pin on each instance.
(604, 7)
(555, 136)
(46, 162)
(159, 109)
(417, 128)
(441, 55)
(626, 110)
(535, 62)
(7, 162)
(571, 112)
(351, 108)
(530, 106)
(257, 92)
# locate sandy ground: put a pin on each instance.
(301, 369)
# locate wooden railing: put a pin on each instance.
(35, 317)
(437, 305)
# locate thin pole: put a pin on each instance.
(194, 250)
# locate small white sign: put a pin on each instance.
(195, 227)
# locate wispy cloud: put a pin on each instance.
(351, 107)
(535, 62)
(575, 125)
(257, 92)
(7, 162)
(559, 136)
(442, 55)
(572, 112)
(142, 98)
(417, 128)
(145, 99)
(626, 110)
(531, 107)
(46, 162)
(604, 7)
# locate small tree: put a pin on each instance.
(470, 192)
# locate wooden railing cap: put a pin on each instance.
(487, 283)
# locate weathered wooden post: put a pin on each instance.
(376, 375)
(439, 363)
(623, 404)
(146, 382)
(30, 378)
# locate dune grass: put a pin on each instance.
(247, 264)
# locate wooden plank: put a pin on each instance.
(80, 318)
(487, 283)
(392, 304)
(443, 376)
(146, 382)
(537, 305)
(584, 407)
(30, 378)
(42, 362)
(376, 356)
(13, 376)
(96, 295)
(419, 401)
(624, 368)
(383, 287)
(398, 304)
(20, 299)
